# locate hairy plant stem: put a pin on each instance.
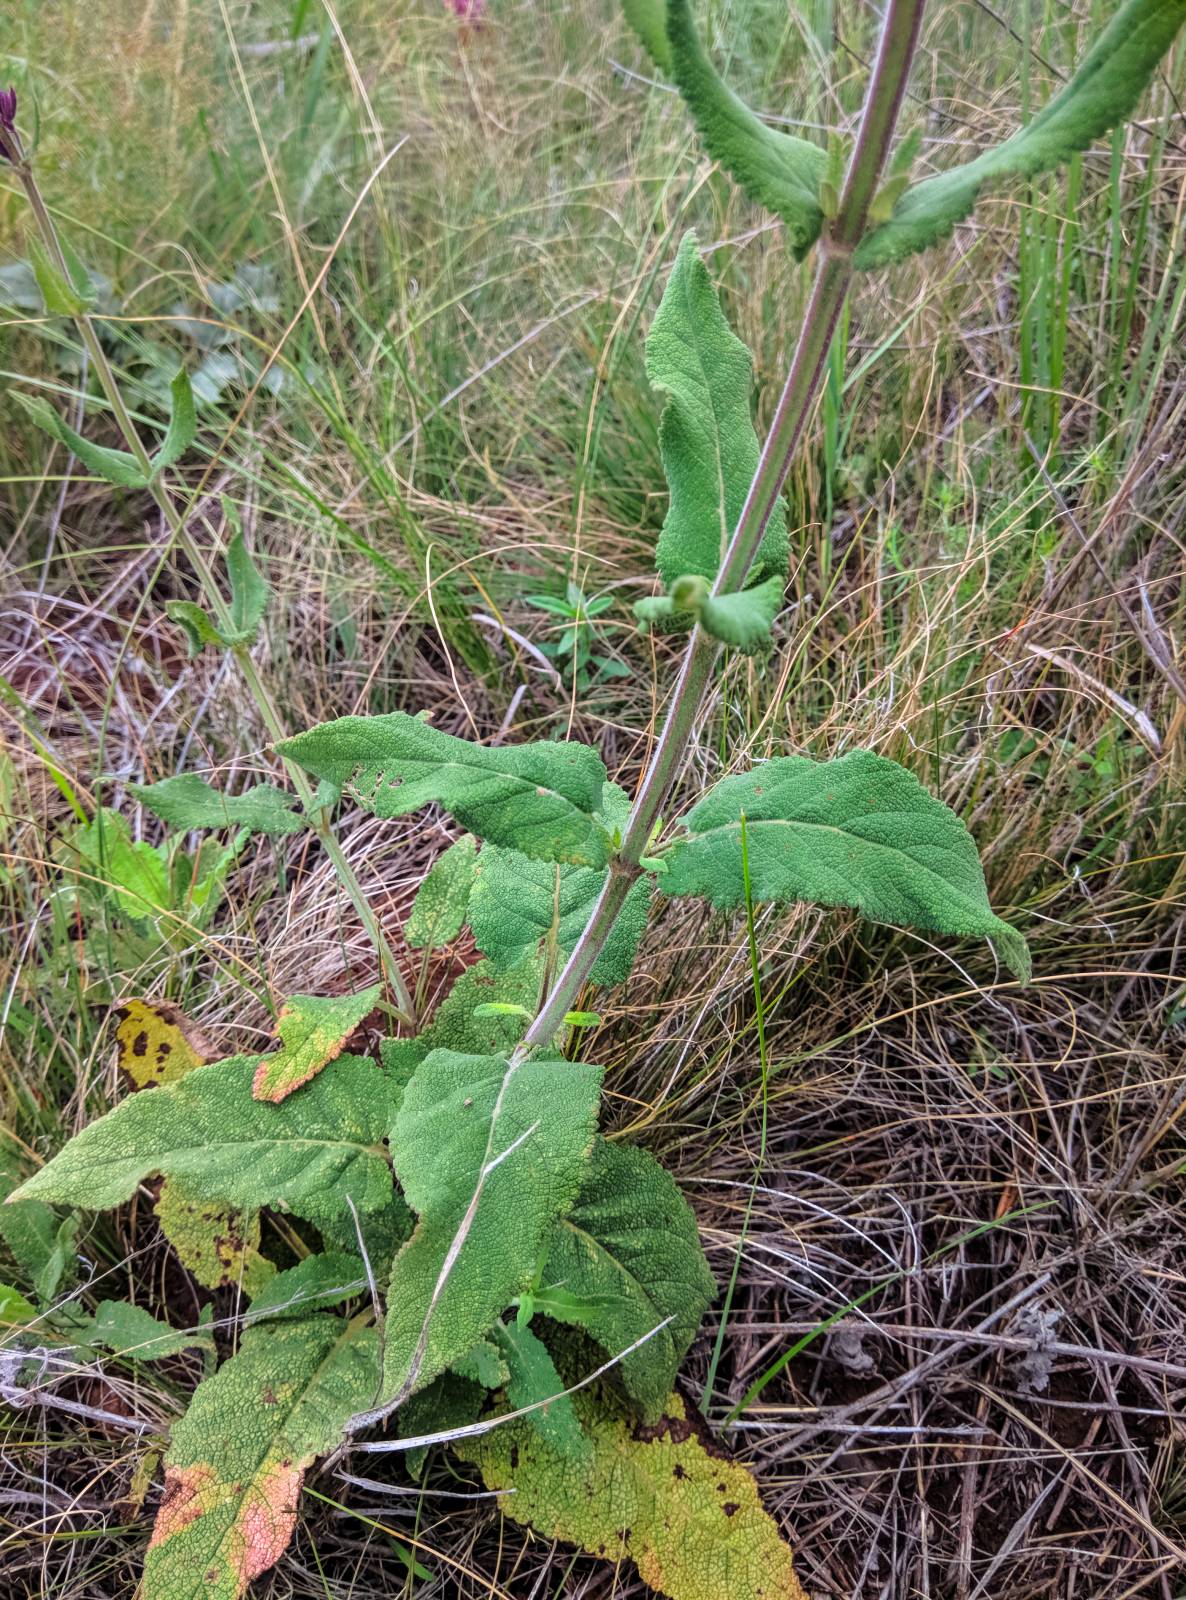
(883, 100)
(259, 692)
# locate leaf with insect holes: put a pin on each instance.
(215, 1241)
(438, 910)
(537, 798)
(325, 1147)
(489, 1155)
(532, 1377)
(1101, 94)
(312, 1032)
(183, 424)
(859, 832)
(777, 170)
(706, 433)
(238, 1457)
(157, 1043)
(116, 467)
(187, 802)
(314, 1284)
(666, 1497)
(626, 1262)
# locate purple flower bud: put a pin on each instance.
(8, 124)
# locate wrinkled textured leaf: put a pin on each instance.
(625, 1260)
(314, 1284)
(532, 1377)
(134, 1333)
(195, 623)
(1102, 92)
(514, 901)
(238, 1457)
(312, 1032)
(157, 1043)
(538, 798)
(183, 424)
(744, 620)
(438, 910)
(778, 170)
(706, 433)
(663, 1497)
(450, 1401)
(458, 1025)
(113, 466)
(325, 1146)
(489, 1156)
(859, 832)
(648, 18)
(188, 801)
(217, 1242)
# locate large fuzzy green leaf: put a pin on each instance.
(490, 1155)
(625, 1261)
(537, 798)
(514, 902)
(706, 433)
(238, 1457)
(188, 801)
(860, 832)
(438, 910)
(778, 170)
(1103, 91)
(665, 1497)
(325, 1146)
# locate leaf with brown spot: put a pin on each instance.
(158, 1043)
(662, 1496)
(217, 1242)
(235, 1466)
(312, 1032)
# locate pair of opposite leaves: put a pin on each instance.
(784, 174)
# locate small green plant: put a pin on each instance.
(485, 1268)
(574, 643)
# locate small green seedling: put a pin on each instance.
(488, 1261)
(574, 644)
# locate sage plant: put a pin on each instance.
(492, 1272)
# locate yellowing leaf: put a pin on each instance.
(239, 1455)
(158, 1043)
(312, 1033)
(217, 1242)
(661, 1496)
